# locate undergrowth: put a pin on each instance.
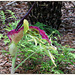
(62, 56)
(3, 16)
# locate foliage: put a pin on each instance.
(30, 49)
(1, 35)
(3, 16)
(63, 57)
(12, 14)
(47, 29)
(40, 47)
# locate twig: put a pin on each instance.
(68, 8)
(69, 17)
(73, 3)
(10, 3)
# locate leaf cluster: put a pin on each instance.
(3, 16)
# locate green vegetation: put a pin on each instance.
(3, 17)
(39, 54)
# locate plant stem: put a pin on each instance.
(25, 16)
(24, 61)
(13, 64)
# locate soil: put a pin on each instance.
(67, 27)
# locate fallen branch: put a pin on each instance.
(73, 3)
(10, 3)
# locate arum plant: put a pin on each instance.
(17, 34)
(30, 31)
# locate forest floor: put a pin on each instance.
(67, 28)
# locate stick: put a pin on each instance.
(73, 3)
(10, 3)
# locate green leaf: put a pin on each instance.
(2, 14)
(30, 50)
(34, 58)
(71, 49)
(1, 35)
(71, 54)
(12, 13)
(33, 39)
(51, 57)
